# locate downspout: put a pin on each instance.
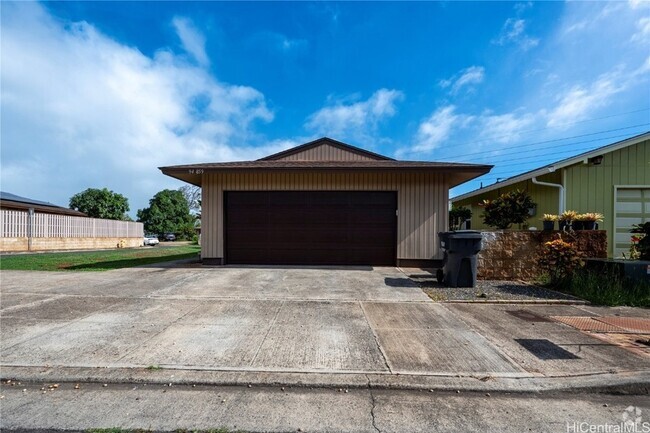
(553, 185)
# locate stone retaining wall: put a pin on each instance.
(513, 255)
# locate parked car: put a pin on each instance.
(150, 240)
(170, 237)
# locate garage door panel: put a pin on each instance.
(247, 218)
(311, 227)
(251, 198)
(632, 207)
(307, 236)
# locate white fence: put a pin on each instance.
(16, 224)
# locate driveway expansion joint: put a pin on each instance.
(376, 337)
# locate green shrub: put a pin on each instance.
(458, 215)
(559, 259)
(507, 209)
(642, 245)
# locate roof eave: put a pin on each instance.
(558, 165)
(190, 175)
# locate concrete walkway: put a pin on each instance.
(330, 327)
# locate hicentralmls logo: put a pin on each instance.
(631, 422)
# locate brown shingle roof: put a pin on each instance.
(192, 173)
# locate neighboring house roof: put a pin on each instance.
(325, 141)
(461, 172)
(13, 201)
(549, 168)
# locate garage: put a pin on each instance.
(311, 227)
(324, 203)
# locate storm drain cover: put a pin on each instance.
(545, 349)
(636, 325)
(528, 316)
(588, 324)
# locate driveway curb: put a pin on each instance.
(629, 382)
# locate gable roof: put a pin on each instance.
(325, 141)
(457, 173)
(583, 157)
(13, 201)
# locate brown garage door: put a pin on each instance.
(311, 227)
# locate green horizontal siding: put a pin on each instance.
(546, 198)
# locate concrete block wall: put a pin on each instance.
(513, 255)
(21, 244)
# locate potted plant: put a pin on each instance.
(566, 218)
(578, 222)
(549, 221)
(590, 219)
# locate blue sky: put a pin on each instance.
(99, 94)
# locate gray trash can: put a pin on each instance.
(459, 263)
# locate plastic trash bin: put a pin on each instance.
(459, 262)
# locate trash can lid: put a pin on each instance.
(464, 234)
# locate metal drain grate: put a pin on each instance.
(528, 316)
(588, 324)
(631, 324)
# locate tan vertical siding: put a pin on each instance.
(421, 197)
(326, 152)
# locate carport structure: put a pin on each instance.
(324, 203)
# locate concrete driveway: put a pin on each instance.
(290, 320)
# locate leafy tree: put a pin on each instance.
(510, 208)
(457, 216)
(193, 196)
(168, 212)
(101, 203)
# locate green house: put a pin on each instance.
(613, 180)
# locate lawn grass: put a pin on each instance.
(97, 260)
(602, 288)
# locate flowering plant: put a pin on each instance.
(560, 259)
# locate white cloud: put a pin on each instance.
(579, 101)
(643, 35)
(505, 128)
(637, 4)
(437, 128)
(514, 31)
(82, 110)
(358, 120)
(464, 78)
(193, 41)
